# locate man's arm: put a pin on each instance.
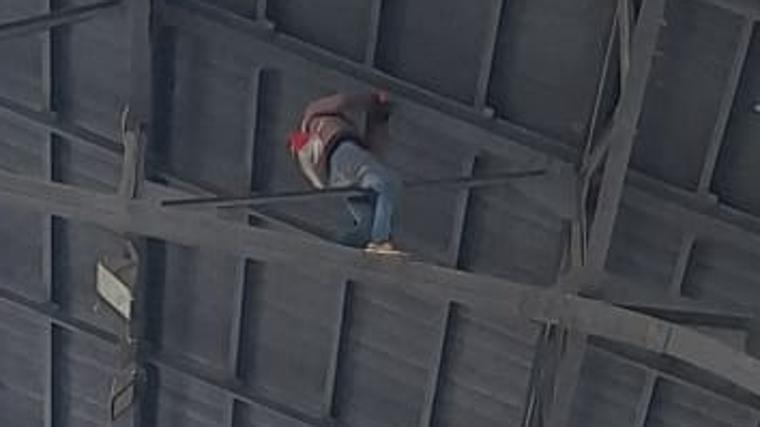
(340, 103)
(307, 167)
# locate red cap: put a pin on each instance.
(297, 140)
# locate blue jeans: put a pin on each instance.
(351, 165)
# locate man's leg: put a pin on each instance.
(352, 165)
(362, 210)
(344, 164)
(388, 189)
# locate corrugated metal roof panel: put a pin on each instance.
(608, 391)
(390, 346)
(736, 173)
(196, 301)
(183, 402)
(644, 249)
(546, 80)
(212, 132)
(487, 371)
(21, 368)
(21, 263)
(679, 405)
(291, 321)
(696, 50)
(84, 368)
(337, 25)
(718, 272)
(411, 44)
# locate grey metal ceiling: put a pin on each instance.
(481, 86)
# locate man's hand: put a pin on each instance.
(382, 108)
(382, 97)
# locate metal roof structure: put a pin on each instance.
(621, 288)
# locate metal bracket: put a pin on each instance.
(115, 279)
(133, 166)
(122, 395)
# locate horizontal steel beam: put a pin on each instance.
(39, 23)
(650, 336)
(235, 388)
(53, 313)
(299, 196)
(748, 8)
(686, 311)
(626, 293)
(47, 122)
(691, 212)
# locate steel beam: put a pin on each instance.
(47, 122)
(253, 128)
(50, 376)
(691, 213)
(623, 133)
(140, 122)
(48, 225)
(566, 383)
(242, 276)
(303, 195)
(748, 8)
(141, 61)
(261, 10)
(488, 55)
(39, 23)
(234, 389)
(566, 376)
(53, 313)
(685, 311)
(650, 336)
(182, 188)
(644, 405)
(623, 292)
(591, 134)
(624, 37)
(682, 264)
(436, 367)
(236, 333)
(337, 350)
(726, 106)
(373, 32)
(454, 250)
(538, 405)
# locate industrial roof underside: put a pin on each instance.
(621, 289)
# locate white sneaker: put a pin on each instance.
(384, 248)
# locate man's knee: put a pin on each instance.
(389, 185)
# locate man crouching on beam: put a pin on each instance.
(332, 153)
